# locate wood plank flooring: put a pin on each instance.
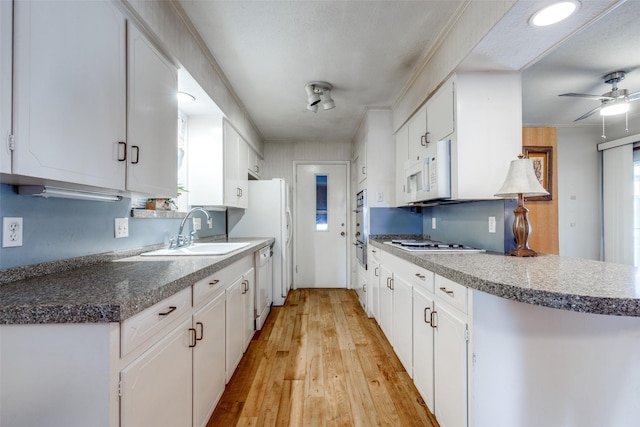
(319, 361)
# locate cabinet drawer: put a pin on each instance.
(422, 278)
(139, 329)
(451, 293)
(209, 287)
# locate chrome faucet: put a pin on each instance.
(182, 240)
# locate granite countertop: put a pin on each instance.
(111, 290)
(565, 283)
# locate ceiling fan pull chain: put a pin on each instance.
(626, 122)
(603, 135)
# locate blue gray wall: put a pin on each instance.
(468, 223)
(394, 221)
(55, 229)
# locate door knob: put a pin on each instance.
(343, 234)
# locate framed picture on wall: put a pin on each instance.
(542, 158)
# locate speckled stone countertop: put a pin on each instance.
(109, 291)
(565, 283)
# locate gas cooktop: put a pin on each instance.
(432, 246)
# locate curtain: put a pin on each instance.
(617, 188)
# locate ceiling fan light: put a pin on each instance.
(554, 13)
(614, 108)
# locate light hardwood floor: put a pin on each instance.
(319, 361)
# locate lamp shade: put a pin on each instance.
(521, 179)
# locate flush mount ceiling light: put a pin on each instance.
(319, 92)
(554, 13)
(185, 98)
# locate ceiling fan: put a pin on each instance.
(616, 101)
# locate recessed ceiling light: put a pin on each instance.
(554, 13)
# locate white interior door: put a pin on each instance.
(321, 226)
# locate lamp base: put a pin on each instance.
(523, 252)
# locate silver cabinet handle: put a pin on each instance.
(214, 282)
(421, 276)
(447, 291)
(137, 160)
(425, 315)
(376, 272)
(124, 151)
(434, 319)
(391, 282)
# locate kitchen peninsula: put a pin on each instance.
(507, 341)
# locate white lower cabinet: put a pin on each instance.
(425, 318)
(373, 295)
(161, 374)
(403, 321)
(386, 302)
(240, 319)
(248, 303)
(209, 370)
(396, 310)
(423, 307)
(450, 367)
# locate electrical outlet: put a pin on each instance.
(492, 224)
(197, 223)
(121, 227)
(433, 223)
(11, 232)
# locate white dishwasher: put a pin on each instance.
(264, 287)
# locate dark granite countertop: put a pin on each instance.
(110, 288)
(565, 283)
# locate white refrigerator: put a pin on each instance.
(269, 215)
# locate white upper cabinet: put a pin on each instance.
(440, 113)
(152, 125)
(236, 184)
(6, 49)
(70, 92)
(488, 132)
(85, 112)
(417, 128)
(402, 155)
(255, 164)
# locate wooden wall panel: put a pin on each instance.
(543, 215)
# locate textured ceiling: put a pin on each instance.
(269, 50)
(370, 50)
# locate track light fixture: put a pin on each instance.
(319, 92)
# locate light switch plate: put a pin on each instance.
(121, 227)
(433, 223)
(492, 224)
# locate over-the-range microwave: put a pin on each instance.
(430, 177)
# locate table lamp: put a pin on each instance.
(521, 182)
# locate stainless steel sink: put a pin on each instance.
(215, 248)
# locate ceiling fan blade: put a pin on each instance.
(633, 97)
(584, 95)
(588, 113)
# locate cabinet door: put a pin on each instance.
(450, 361)
(6, 51)
(386, 303)
(231, 173)
(249, 312)
(423, 306)
(440, 113)
(417, 131)
(243, 178)
(403, 322)
(208, 359)
(374, 288)
(70, 92)
(402, 156)
(234, 326)
(156, 387)
(152, 125)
